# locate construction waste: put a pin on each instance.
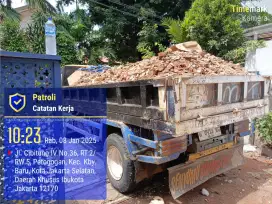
(186, 59)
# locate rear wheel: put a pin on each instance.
(120, 169)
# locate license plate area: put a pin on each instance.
(210, 133)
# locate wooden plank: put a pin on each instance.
(245, 91)
(232, 93)
(194, 126)
(183, 96)
(135, 110)
(162, 103)
(266, 88)
(154, 82)
(126, 109)
(215, 110)
(178, 102)
(200, 95)
(221, 79)
(119, 95)
(158, 125)
(143, 96)
(219, 94)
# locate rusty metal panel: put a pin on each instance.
(184, 177)
(201, 95)
(242, 126)
(255, 90)
(168, 147)
(232, 93)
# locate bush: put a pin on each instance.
(66, 49)
(238, 55)
(264, 127)
(213, 25)
(12, 38)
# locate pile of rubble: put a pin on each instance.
(186, 59)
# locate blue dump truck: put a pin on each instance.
(191, 127)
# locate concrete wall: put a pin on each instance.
(261, 60)
(25, 15)
(25, 18)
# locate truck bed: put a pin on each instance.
(182, 105)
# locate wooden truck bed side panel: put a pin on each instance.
(177, 113)
(236, 92)
(194, 126)
(215, 110)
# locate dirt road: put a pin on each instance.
(248, 184)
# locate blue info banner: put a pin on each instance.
(51, 152)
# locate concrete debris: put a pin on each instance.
(157, 200)
(205, 192)
(186, 59)
(75, 77)
(187, 46)
(249, 148)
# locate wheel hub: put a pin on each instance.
(115, 163)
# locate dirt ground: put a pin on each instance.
(248, 184)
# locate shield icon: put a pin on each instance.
(17, 102)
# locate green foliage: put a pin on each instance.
(213, 25)
(8, 13)
(66, 49)
(66, 43)
(41, 5)
(238, 55)
(35, 33)
(94, 47)
(173, 29)
(145, 50)
(264, 127)
(78, 31)
(122, 24)
(150, 40)
(12, 38)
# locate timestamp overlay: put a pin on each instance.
(54, 144)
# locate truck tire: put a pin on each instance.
(120, 169)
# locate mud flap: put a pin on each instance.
(185, 177)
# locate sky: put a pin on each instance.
(266, 3)
(19, 3)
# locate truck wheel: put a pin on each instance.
(120, 169)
